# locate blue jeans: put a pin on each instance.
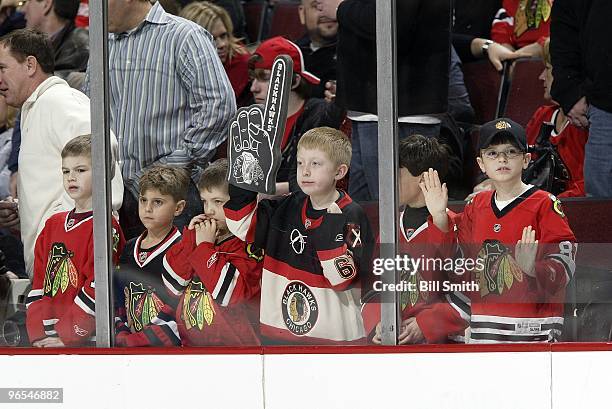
(598, 154)
(363, 177)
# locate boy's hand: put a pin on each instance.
(54, 343)
(206, 231)
(196, 220)
(410, 332)
(526, 251)
(436, 198)
(377, 339)
(46, 342)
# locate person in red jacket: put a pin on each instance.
(216, 275)
(61, 305)
(568, 139)
(523, 25)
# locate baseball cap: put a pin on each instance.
(502, 126)
(275, 46)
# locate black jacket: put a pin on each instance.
(321, 63)
(423, 41)
(581, 52)
(71, 47)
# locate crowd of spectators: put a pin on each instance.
(180, 69)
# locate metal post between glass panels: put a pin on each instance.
(386, 49)
(101, 152)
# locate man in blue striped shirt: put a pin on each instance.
(170, 99)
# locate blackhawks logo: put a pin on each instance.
(410, 298)
(115, 240)
(60, 270)
(198, 306)
(500, 269)
(300, 308)
(142, 305)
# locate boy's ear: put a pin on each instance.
(341, 171)
(526, 160)
(297, 80)
(480, 164)
(180, 206)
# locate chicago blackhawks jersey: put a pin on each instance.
(217, 285)
(497, 300)
(61, 302)
(144, 308)
(569, 142)
(421, 282)
(310, 290)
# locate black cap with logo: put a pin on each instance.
(502, 126)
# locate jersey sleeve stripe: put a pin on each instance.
(325, 255)
(85, 303)
(459, 305)
(228, 274)
(173, 273)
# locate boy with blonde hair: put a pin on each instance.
(61, 304)
(144, 310)
(317, 243)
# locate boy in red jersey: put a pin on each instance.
(61, 304)
(144, 309)
(216, 274)
(524, 244)
(417, 154)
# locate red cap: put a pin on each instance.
(275, 46)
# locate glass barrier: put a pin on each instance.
(226, 267)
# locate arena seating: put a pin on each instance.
(286, 21)
(526, 91)
(254, 12)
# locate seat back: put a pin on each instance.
(286, 21)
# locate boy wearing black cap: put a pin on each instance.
(522, 245)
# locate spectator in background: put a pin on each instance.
(52, 114)
(304, 113)
(581, 54)
(236, 12)
(423, 38)
(171, 100)
(472, 32)
(523, 25)
(56, 19)
(233, 54)
(10, 18)
(318, 45)
(7, 122)
(568, 139)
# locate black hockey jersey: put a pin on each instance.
(310, 290)
(144, 309)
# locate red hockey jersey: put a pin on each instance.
(62, 300)
(216, 284)
(144, 308)
(570, 142)
(310, 290)
(520, 27)
(501, 303)
(423, 283)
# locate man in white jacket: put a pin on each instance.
(52, 114)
